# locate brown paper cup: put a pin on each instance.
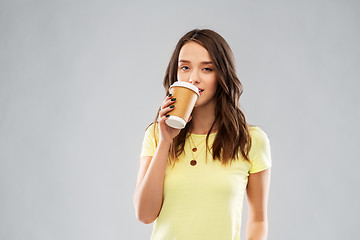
(186, 95)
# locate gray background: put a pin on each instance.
(80, 81)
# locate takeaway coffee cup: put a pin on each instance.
(186, 95)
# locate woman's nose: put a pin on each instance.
(193, 78)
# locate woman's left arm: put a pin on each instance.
(257, 194)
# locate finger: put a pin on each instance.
(166, 106)
(163, 118)
(168, 101)
(166, 110)
(169, 96)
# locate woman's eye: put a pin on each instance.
(184, 68)
(208, 69)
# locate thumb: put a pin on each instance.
(189, 118)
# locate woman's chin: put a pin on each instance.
(197, 104)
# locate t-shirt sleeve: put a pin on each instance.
(260, 154)
(148, 144)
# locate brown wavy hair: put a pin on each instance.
(233, 131)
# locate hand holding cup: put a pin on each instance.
(186, 94)
(166, 132)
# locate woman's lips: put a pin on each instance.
(200, 90)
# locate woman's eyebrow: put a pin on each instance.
(187, 61)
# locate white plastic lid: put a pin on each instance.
(187, 85)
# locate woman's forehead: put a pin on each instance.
(194, 52)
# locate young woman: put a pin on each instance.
(192, 181)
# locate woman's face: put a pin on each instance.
(195, 66)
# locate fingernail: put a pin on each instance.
(173, 99)
(167, 115)
(172, 106)
(170, 95)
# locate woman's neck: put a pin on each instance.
(202, 119)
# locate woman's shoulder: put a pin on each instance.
(257, 133)
(150, 128)
(260, 153)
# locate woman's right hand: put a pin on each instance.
(166, 132)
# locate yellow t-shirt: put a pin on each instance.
(205, 201)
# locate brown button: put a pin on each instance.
(194, 149)
(193, 162)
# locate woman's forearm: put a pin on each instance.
(256, 230)
(148, 195)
